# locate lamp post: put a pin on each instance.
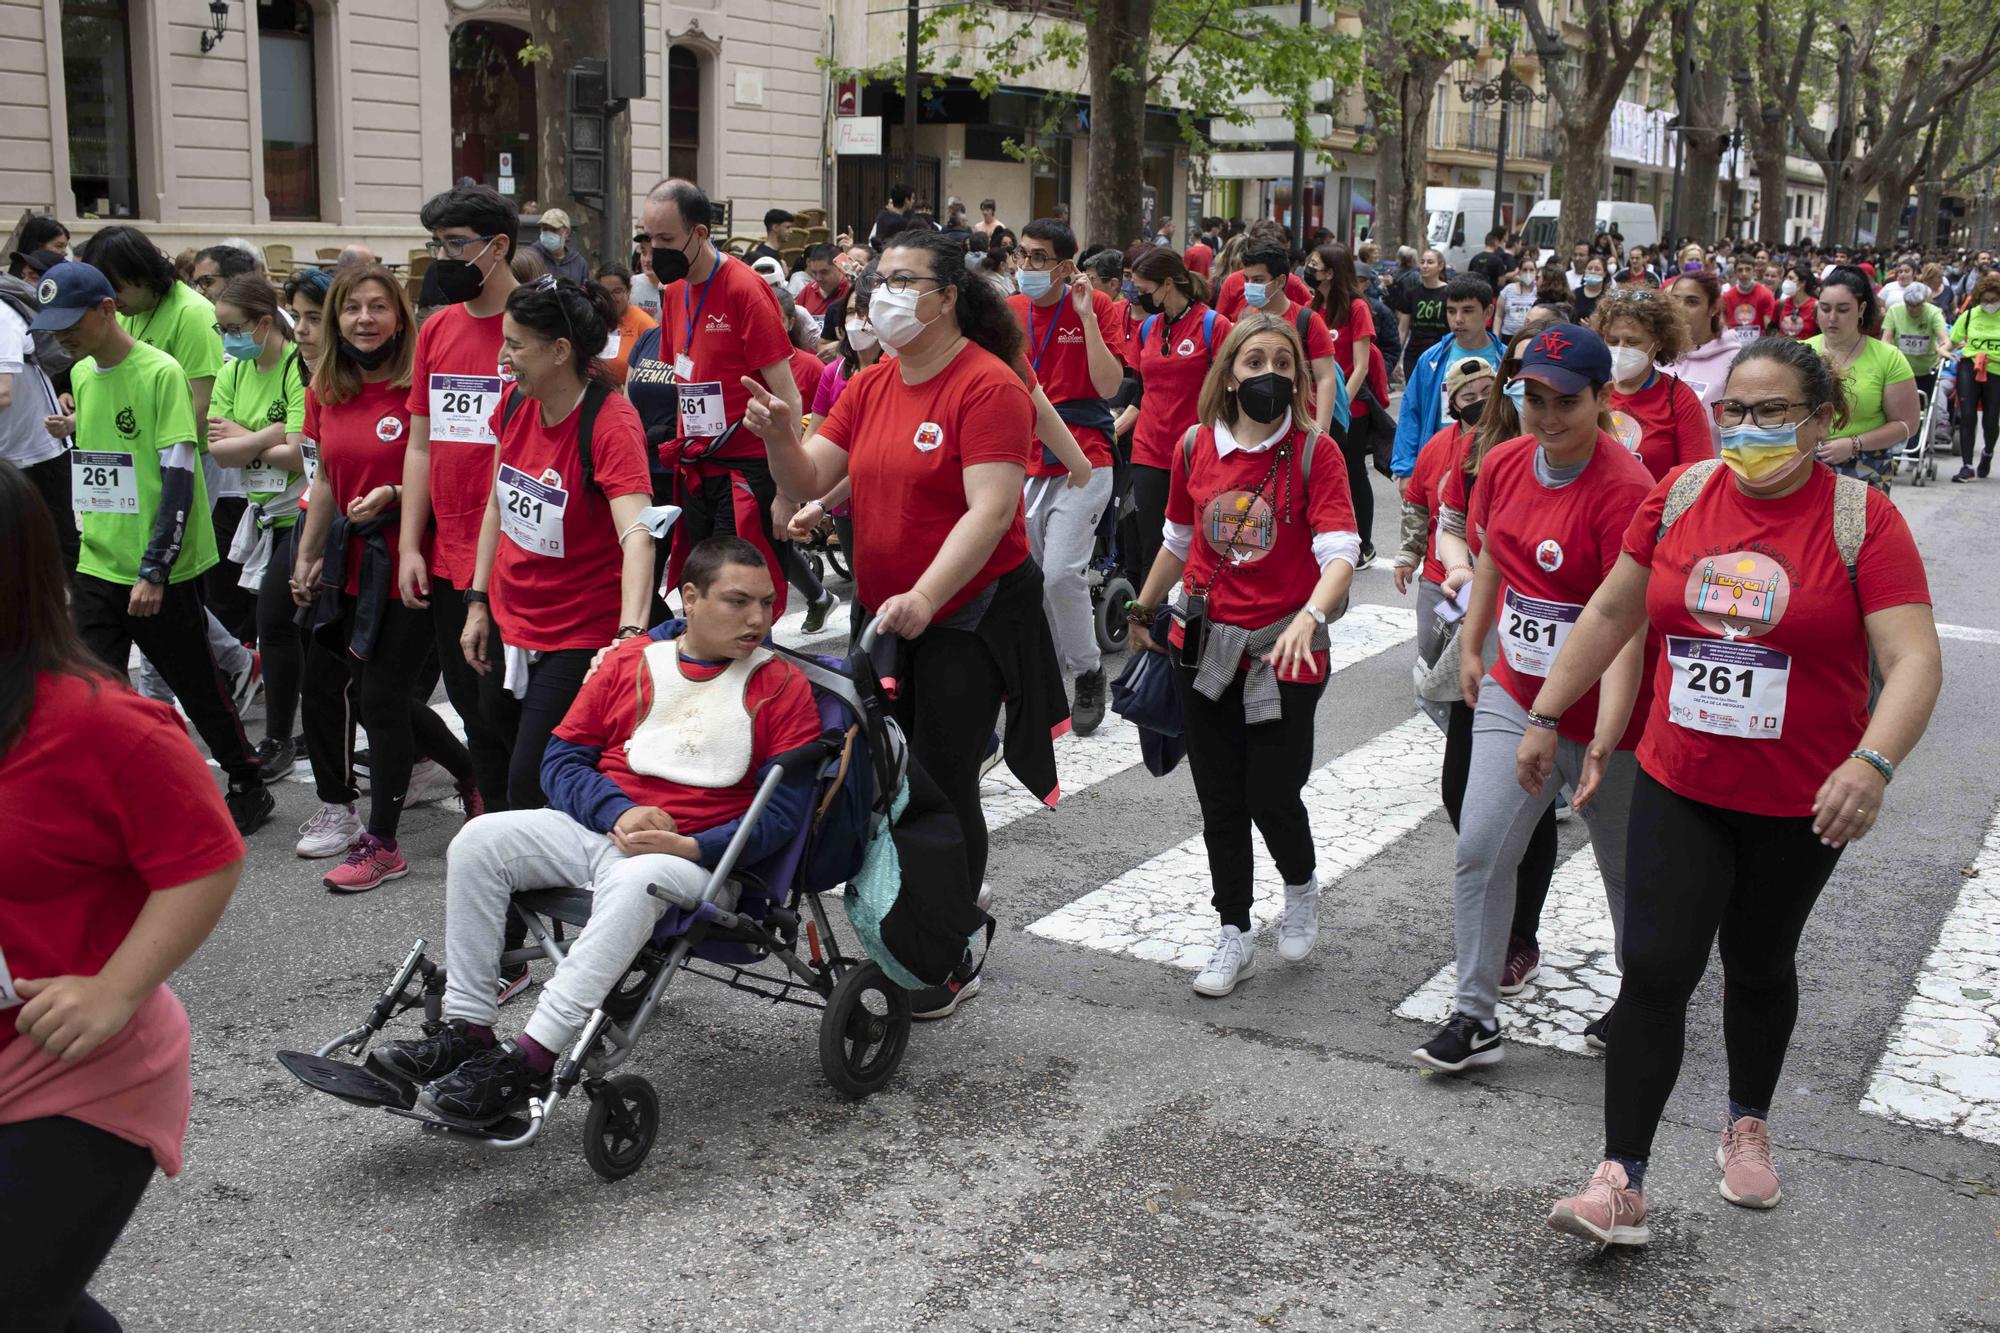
(1505, 91)
(1741, 79)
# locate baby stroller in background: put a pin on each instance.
(743, 917)
(1109, 581)
(1917, 459)
(823, 552)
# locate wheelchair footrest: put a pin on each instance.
(350, 1083)
(507, 1127)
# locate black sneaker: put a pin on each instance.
(513, 980)
(817, 612)
(1597, 1033)
(1461, 1044)
(250, 806)
(1367, 555)
(486, 1087)
(277, 758)
(1985, 462)
(1087, 715)
(1964, 473)
(421, 1059)
(943, 1001)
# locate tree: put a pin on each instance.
(556, 41)
(1409, 45)
(1714, 32)
(1780, 82)
(1587, 93)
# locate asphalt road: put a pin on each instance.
(1088, 1144)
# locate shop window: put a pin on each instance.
(97, 77)
(291, 108)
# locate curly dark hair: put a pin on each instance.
(981, 309)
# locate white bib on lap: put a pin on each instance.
(697, 732)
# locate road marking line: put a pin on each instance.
(1941, 1069)
(1969, 633)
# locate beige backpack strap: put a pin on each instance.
(1850, 520)
(1187, 449)
(1681, 495)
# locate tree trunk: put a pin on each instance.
(1401, 105)
(1699, 177)
(553, 24)
(1930, 195)
(1580, 159)
(1119, 40)
(1767, 150)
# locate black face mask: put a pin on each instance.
(1469, 414)
(670, 265)
(1265, 397)
(1148, 302)
(371, 360)
(458, 279)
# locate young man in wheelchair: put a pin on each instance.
(647, 779)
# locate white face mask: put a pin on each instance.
(894, 315)
(1629, 363)
(1990, 307)
(1789, 289)
(860, 336)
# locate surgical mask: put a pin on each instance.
(242, 346)
(1592, 281)
(1033, 283)
(1129, 290)
(1517, 394)
(1762, 455)
(1990, 307)
(458, 279)
(1255, 294)
(1265, 397)
(671, 265)
(1469, 414)
(552, 242)
(1745, 283)
(1629, 363)
(894, 315)
(860, 336)
(375, 358)
(1789, 288)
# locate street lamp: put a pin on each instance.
(1506, 91)
(1742, 80)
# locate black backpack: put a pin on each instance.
(50, 358)
(594, 395)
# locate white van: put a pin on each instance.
(1635, 223)
(1456, 223)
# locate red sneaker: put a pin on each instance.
(368, 865)
(1609, 1211)
(1524, 964)
(469, 797)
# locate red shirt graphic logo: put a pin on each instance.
(929, 436)
(1549, 555)
(388, 429)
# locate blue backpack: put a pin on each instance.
(1207, 333)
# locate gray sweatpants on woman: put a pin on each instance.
(1062, 531)
(1493, 832)
(499, 855)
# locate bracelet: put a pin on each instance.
(1877, 761)
(1543, 721)
(474, 597)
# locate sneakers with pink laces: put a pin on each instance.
(1749, 1180)
(1524, 964)
(1609, 1211)
(368, 866)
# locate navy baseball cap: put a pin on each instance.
(65, 292)
(1567, 357)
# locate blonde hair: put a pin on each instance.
(1218, 396)
(335, 378)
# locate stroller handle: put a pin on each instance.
(869, 635)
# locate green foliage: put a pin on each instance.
(533, 53)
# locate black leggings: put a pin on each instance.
(1358, 451)
(1691, 870)
(949, 704)
(525, 724)
(461, 688)
(232, 604)
(1149, 494)
(69, 1188)
(1245, 775)
(1976, 400)
(1538, 862)
(279, 638)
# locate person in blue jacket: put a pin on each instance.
(1468, 309)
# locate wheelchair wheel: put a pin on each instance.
(864, 1031)
(1112, 631)
(836, 559)
(816, 565)
(624, 1119)
(630, 992)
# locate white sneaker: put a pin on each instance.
(1298, 928)
(428, 782)
(330, 832)
(1234, 957)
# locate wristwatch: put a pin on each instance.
(627, 632)
(153, 576)
(474, 597)
(1319, 616)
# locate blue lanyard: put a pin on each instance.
(696, 313)
(1048, 337)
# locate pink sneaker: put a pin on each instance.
(474, 803)
(1748, 1178)
(1524, 964)
(368, 865)
(1609, 1211)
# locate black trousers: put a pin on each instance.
(234, 606)
(1538, 862)
(525, 724)
(709, 510)
(949, 705)
(1245, 775)
(1149, 496)
(280, 638)
(1695, 871)
(51, 478)
(461, 687)
(70, 1189)
(175, 638)
(1977, 401)
(1358, 451)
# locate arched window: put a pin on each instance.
(97, 79)
(683, 113)
(291, 108)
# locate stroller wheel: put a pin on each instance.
(863, 1031)
(1112, 631)
(624, 1119)
(836, 559)
(630, 992)
(816, 565)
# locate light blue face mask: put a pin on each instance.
(552, 242)
(1256, 294)
(1517, 393)
(242, 346)
(1033, 283)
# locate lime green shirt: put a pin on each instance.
(1978, 331)
(1915, 330)
(126, 417)
(255, 399)
(183, 326)
(1875, 367)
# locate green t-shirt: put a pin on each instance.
(1876, 366)
(1915, 330)
(183, 326)
(126, 417)
(1979, 331)
(254, 399)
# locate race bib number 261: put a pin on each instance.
(462, 407)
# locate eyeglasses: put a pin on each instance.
(1769, 414)
(549, 282)
(1038, 262)
(234, 330)
(900, 282)
(457, 247)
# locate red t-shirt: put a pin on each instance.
(1798, 317)
(815, 302)
(1749, 315)
(121, 806)
(556, 573)
(1553, 547)
(1172, 362)
(1763, 688)
(1360, 324)
(1199, 258)
(1664, 424)
(608, 708)
(806, 370)
(730, 326)
(1060, 359)
(457, 381)
(1442, 457)
(1229, 296)
(1235, 512)
(908, 446)
(361, 446)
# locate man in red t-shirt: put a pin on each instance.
(1267, 275)
(827, 289)
(648, 777)
(1199, 258)
(719, 322)
(1748, 308)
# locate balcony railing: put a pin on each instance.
(1478, 132)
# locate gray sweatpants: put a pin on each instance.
(1062, 530)
(499, 855)
(1430, 637)
(1493, 832)
(230, 655)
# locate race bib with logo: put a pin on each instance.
(531, 512)
(1728, 687)
(1532, 631)
(462, 407)
(102, 483)
(701, 410)
(261, 478)
(1914, 344)
(309, 449)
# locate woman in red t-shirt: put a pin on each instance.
(1549, 510)
(366, 644)
(935, 446)
(124, 862)
(1653, 414)
(564, 565)
(1798, 308)
(1174, 348)
(1763, 757)
(1260, 539)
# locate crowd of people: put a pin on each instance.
(1650, 575)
